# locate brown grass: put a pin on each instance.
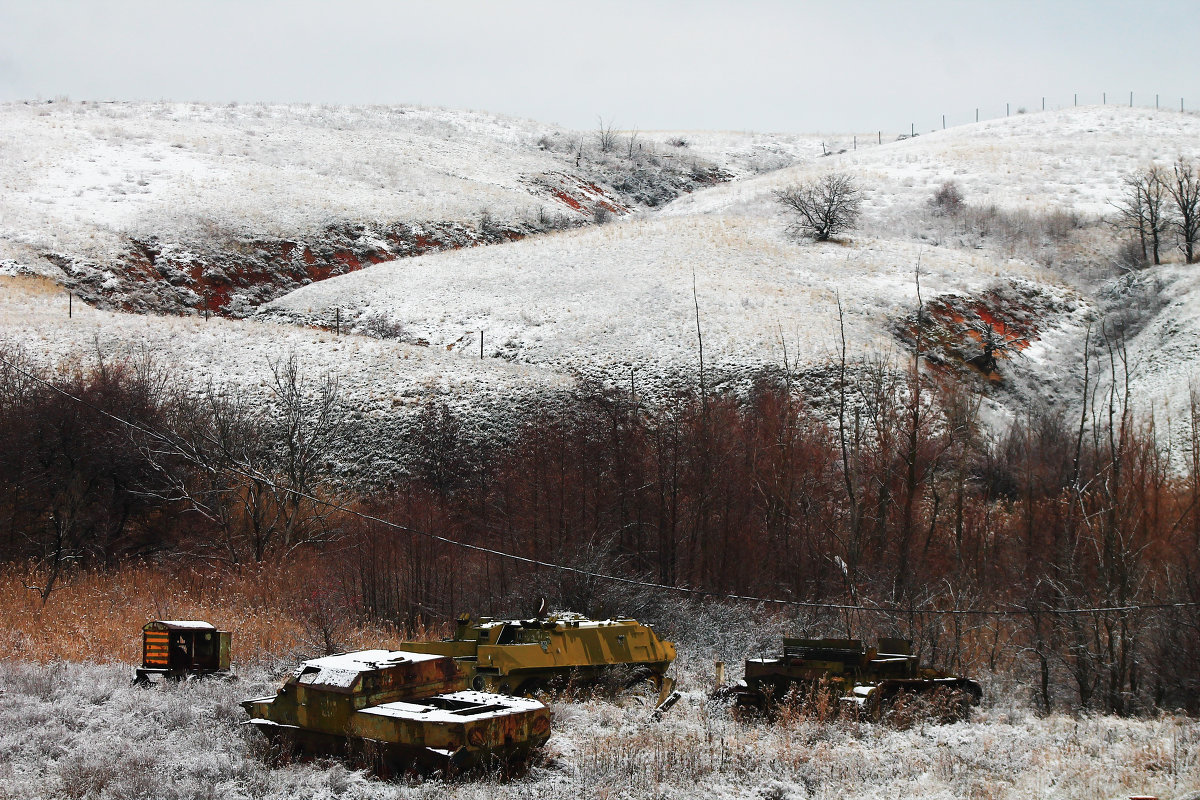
(31, 285)
(275, 613)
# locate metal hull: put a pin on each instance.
(398, 712)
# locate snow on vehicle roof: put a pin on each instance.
(455, 707)
(341, 670)
(364, 660)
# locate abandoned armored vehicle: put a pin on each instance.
(527, 656)
(396, 712)
(871, 680)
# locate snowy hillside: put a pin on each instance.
(180, 207)
(383, 384)
(622, 295)
(1071, 159)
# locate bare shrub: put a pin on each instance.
(379, 325)
(947, 200)
(85, 773)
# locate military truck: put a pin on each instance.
(396, 712)
(870, 680)
(527, 656)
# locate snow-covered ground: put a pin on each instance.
(1071, 159)
(79, 176)
(77, 730)
(622, 295)
(746, 153)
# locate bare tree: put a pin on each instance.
(1143, 210)
(259, 472)
(606, 135)
(1183, 185)
(824, 207)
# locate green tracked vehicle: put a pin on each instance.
(397, 712)
(527, 656)
(868, 680)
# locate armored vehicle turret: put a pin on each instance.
(397, 711)
(869, 679)
(525, 656)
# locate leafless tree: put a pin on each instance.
(1183, 185)
(606, 135)
(823, 208)
(259, 474)
(1143, 210)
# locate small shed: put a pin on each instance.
(179, 648)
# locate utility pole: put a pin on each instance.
(481, 345)
(337, 321)
(70, 303)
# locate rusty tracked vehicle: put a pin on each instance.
(870, 680)
(396, 712)
(527, 656)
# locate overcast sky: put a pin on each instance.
(763, 66)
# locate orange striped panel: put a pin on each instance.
(155, 650)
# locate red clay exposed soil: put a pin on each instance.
(231, 279)
(980, 332)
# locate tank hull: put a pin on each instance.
(389, 710)
(526, 656)
(867, 681)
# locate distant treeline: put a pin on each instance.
(895, 498)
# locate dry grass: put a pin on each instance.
(276, 613)
(31, 285)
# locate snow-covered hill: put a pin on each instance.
(621, 296)
(184, 207)
(1070, 159)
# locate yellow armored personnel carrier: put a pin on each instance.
(396, 712)
(526, 656)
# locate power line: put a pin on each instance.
(245, 471)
